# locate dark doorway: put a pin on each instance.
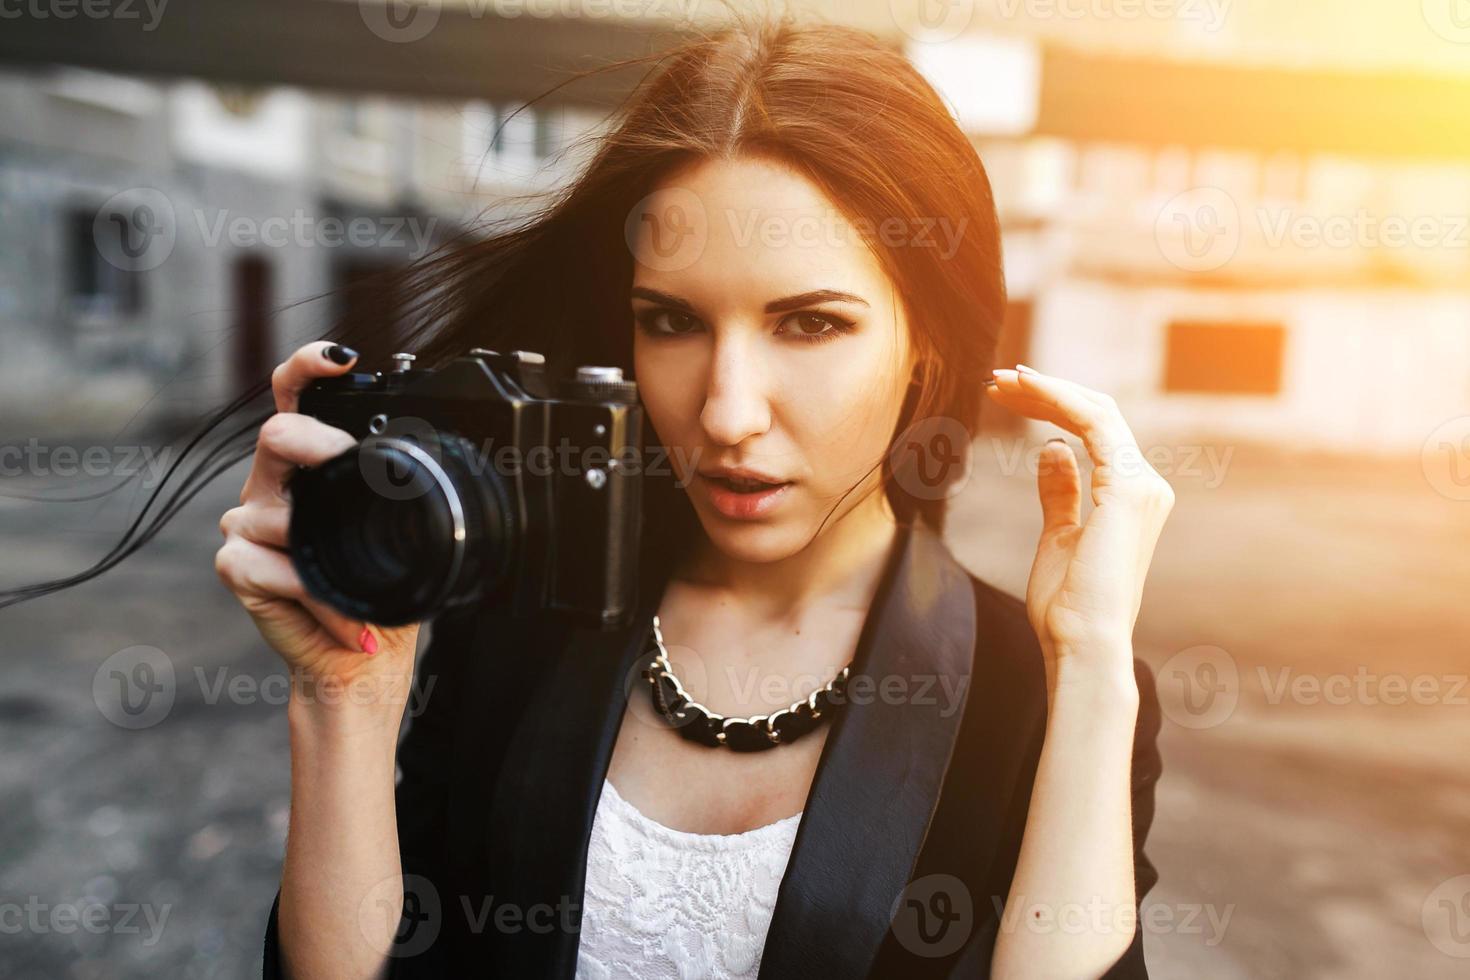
(254, 341)
(370, 298)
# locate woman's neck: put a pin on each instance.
(840, 567)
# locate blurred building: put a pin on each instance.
(160, 237)
(1226, 251)
(1239, 240)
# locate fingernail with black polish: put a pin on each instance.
(338, 354)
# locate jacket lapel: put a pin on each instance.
(872, 798)
(878, 781)
(549, 783)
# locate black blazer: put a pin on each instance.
(501, 772)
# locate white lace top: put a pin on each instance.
(664, 904)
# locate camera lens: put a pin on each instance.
(395, 530)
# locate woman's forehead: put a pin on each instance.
(750, 225)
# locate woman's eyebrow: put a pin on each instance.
(808, 299)
(654, 296)
(783, 305)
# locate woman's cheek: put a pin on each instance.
(673, 424)
(849, 417)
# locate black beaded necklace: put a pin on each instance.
(696, 722)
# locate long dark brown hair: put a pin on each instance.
(837, 105)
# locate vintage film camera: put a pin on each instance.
(479, 482)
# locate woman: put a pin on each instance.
(972, 798)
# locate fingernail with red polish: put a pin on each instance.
(368, 642)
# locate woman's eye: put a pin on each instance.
(804, 327)
(668, 322)
(815, 326)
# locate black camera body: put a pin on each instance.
(481, 481)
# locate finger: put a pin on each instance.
(263, 523)
(254, 571)
(1091, 416)
(353, 634)
(287, 441)
(1059, 485)
(1032, 408)
(1097, 396)
(321, 359)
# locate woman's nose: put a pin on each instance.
(736, 405)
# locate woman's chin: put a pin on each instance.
(752, 541)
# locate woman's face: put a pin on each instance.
(768, 338)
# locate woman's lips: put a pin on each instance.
(742, 506)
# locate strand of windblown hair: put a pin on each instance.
(232, 448)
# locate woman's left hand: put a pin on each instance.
(1087, 580)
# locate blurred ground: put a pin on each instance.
(1320, 830)
(1320, 824)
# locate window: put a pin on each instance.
(546, 135)
(501, 140)
(1224, 358)
(96, 286)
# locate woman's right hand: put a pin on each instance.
(331, 657)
